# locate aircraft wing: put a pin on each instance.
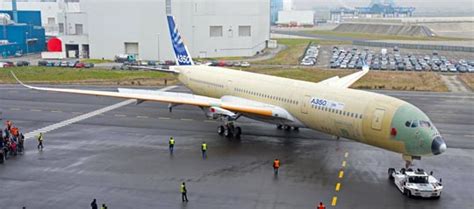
(227, 105)
(346, 81)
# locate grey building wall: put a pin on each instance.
(112, 23)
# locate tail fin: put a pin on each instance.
(181, 52)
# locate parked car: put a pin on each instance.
(88, 65)
(42, 63)
(4, 64)
(80, 65)
(245, 64)
(22, 63)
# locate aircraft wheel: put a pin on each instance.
(390, 172)
(227, 132)
(296, 128)
(220, 130)
(238, 132)
(279, 127)
(287, 128)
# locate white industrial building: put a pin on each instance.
(105, 28)
(296, 18)
(49, 10)
(210, 28)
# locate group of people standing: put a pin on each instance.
(11, 141)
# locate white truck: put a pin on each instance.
(416, 183)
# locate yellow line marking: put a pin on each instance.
(341, 174)
(186, 119)
(343, 163)
(35, 110)
(338, 187)
(164, 118)
(56, 111)
(346, 155)
(139, 116)
(334, 201)
(14, 108)
(120, 115)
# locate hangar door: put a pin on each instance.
(131, 48)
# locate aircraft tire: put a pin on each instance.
(220, 130)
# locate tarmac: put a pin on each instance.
(121, 158)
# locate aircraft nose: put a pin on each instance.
(438, 145)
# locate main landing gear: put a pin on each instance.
(229, 130)
(409, 160)
(287, 128)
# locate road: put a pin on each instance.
(120, 157)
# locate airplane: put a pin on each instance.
(329, 106)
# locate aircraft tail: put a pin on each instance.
(181, 52)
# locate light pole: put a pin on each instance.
(26, 41)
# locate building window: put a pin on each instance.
(61, 27)
(51, 21)
(78, 28)
(244, 30)
(215, 31)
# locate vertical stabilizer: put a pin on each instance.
(181, 52)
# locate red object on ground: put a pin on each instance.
(80, 65)
(55, 45)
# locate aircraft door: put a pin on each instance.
(305, 104)
(377, 120)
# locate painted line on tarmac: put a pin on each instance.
(186, 119)
(341, 174)
(163, 118)
(141, 116)
(338, 187)
(334, 201)
(343, 163)
(120, 115)
(14, 108)
(35, 110)
(84, 116)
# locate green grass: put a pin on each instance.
(96, 61)
(373, 36)
(35, 74)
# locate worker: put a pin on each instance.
(321, 206)
(276, 166)
(184, 192)
(204, 150)
(171, 143)
(21, 142)
(40, 141)
(103, 206)
(94, 204)
(9, 124)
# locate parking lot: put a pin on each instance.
(351, 57)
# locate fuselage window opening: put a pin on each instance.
(414, 124)
(360, 116)
(408, 123)
(425, 124)
(352, 115)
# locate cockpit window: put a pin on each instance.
(425, 124)
(414, 124)
(408, 123)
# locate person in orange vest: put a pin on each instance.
(276, 166)
(321, 206)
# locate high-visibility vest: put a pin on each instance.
(40, 137)
(321, 206)
(276, 164)
(204, 147)
(183, 188)
(171, 141)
